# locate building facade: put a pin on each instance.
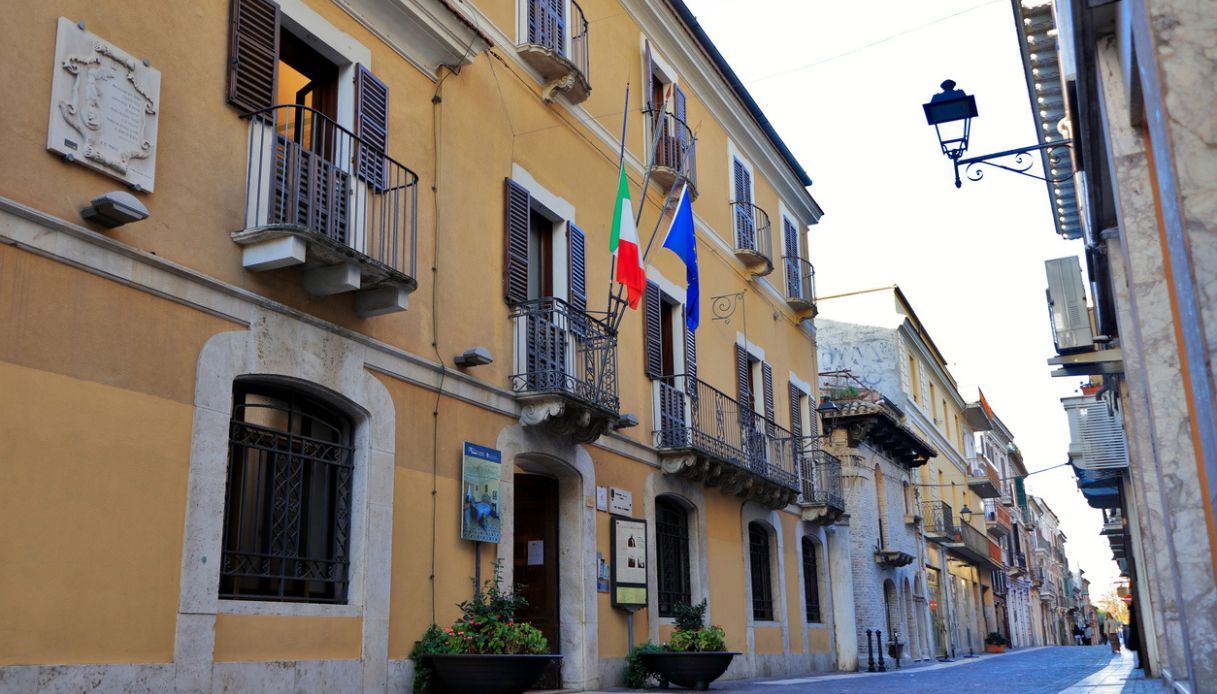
(877, 337)
(268, 282)
(1135, 183)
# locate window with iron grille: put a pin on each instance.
(287, 512)
(672, 552)
(811, 581)
(762, 583)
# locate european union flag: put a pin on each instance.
(682, 241)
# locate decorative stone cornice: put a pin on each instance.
(731, 479)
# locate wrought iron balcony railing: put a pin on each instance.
(997, 518)
(562, 61)
(561, 351)
(983, 478)
(970, 544)
(752, 239)
(312, 178)
(819, 474)
(938, 521)
(675, 160)
(800, 283)
(693, 415)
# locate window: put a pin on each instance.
(745, 223)
(667, 340)
(761, 571)
(672, 554)
(287, 512)
(811, 581)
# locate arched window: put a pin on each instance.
(762, 580)
(287, 511)
(811, 581)
(672, 554)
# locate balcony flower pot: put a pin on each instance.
(481, 673)
(694, 669)
(994, 648)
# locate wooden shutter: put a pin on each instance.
(371, 126)
(253, 54)
(515, 245)
(743, 182)
(791, 241)
(653, 333)
(576, 246)
(647, 72)
(745, 232)
(741, 379)
(767, 382)
(796, 412)
(690, 352)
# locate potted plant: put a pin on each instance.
(694, 656)
(485, 651)
(995, 643)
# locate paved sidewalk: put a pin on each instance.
(1120, 676)
(1044, 670)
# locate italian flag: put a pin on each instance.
(624, 244)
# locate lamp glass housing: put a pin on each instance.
(951, 112)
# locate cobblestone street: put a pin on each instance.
(1072, 670)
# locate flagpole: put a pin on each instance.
(625, 118)
(618, 312)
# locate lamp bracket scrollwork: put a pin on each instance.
(1019, 161)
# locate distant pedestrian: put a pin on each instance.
(1089, 635)
(1112, 628)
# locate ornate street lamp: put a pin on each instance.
(951, 112)
(965, 514)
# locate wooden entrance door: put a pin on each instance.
(536, 566)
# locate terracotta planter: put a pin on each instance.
(490, 674)
(990, 648)
(692, 670)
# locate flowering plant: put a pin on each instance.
(487, 625)
(691, 632)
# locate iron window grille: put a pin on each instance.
(762, 585)
(672, 553)
(811, 581)
(287, 512)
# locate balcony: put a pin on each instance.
(561, 60)
(1113, 522)
(706, 436)
(675, 160)
(753, 244)
(1037, 577)
(565, 369)
(983, 478)
(995, 557)
(821, 496)
(938, 521)
(997, 519)
(319, 197)
(800, 285)
(1019, 567)
(971, 545)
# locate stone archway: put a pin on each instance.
(525, 449)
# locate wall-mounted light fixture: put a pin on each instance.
(115, 209)
(951, 112)
(474, 356)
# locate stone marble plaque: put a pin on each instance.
(104, 106)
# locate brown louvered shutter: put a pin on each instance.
(796, 412)
(576, 246)
(647, 72)
(654, 331)
(515, 255)
(790, 237)
(253, 54)
(371, 126)
(767, 382)
(690, 352)
(741, 380)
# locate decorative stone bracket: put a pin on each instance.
(893, 558)
(564, 417)
(820, 513)
(731, 479)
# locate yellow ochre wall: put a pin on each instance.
(98, 378)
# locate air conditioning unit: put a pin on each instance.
(1097, 432)
(1067, 305)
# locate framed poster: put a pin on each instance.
(629, 560)
(481, 474)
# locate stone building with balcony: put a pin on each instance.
(266, 267)
(877, 336)
(879, 456)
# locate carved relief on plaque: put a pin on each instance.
(104, 107)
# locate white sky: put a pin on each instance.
(843, 83)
